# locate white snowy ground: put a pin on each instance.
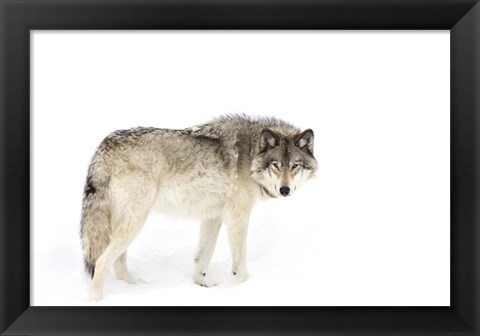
(303, 250)
(285, 258)
(372, 229)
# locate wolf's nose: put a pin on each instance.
(284, 191)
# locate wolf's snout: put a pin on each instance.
(284, 191)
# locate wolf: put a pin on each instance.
(214, 172)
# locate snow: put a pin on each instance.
(371, 229)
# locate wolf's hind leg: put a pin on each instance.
(208, 239)
(122, 272)
(131, 203)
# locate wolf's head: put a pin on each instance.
(283, 163)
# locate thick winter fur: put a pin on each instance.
(214, 172)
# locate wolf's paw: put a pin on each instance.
(240, 276)
(127, 277)
(132, 281)
(96, 295)
(202, 280)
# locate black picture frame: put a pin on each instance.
(18, 17)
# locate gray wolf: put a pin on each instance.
(214, 172)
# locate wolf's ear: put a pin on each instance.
(304, 141)
(268, 140)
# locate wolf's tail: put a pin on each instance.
(95, 227)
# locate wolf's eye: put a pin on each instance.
(295, 165)
(275, 165)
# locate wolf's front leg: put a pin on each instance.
(237, 235)
(206, 245)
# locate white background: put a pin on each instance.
(371, 229)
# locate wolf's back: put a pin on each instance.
(95, 226)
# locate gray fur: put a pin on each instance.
(214, 172)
